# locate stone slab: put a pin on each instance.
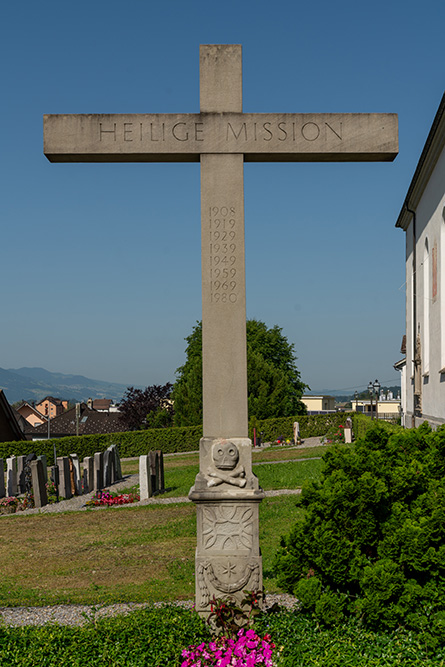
(88, 473)
(11, 476)
(145, 488)
(98, 471)
(77, 475)
(63, 463)
(21, 462)
(260, 137)
(42, 458)
(38, 483)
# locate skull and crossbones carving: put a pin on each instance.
(225, 457)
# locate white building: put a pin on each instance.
(423, 219)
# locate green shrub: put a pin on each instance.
(373, 532)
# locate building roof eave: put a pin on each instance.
(434, 146)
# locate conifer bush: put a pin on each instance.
(371, 543)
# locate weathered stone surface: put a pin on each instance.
(98, 471)
(43, 459)
(77, 474)
(260, 137)
(145, 488)
(154, 470)
(21, 462)
(63, 463)
(227, 497)
(11, 476)
(38, 483)
(88, 468)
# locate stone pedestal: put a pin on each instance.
(227, 497)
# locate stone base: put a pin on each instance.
(227, 497)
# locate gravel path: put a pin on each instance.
(66, 614)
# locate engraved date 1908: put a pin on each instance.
(223, 254)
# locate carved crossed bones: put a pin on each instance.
(237, 478)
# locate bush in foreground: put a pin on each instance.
(371, 543)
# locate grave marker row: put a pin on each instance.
(26, 474)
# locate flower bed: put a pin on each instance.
(246, 650)
(109, 499)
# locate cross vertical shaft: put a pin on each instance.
(222, 252)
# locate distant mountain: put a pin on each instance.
(33, 384)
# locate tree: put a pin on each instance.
(147, 408)
(273, 381)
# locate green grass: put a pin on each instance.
(111, 555)
(155, 638)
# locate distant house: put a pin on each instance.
(102, 405)
(31, 414)
(319, 404)
(78, 421)
(51, 407)
(387, 408)
(9, 425)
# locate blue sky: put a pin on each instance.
(100, 263)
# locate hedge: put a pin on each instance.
(130, 443)
(310, 425)
(182, 438)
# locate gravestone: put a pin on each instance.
(222, 138)
(11, 476)
(2, 479)
(88, 474)
(296, 433)
(161, 472)
(77, 476)
(117, 463)
(42, 458)
(63, 463)
(154, 470)
(20, 462)
(38, 483)
(55, 479)
(348, 430)
(109, 467)
(98, 483)
(145, 488)
(27, 472)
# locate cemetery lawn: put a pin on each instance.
(128, 554)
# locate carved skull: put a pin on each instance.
(225, 455)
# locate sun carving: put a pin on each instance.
(227, 527)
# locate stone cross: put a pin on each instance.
(221, 137)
